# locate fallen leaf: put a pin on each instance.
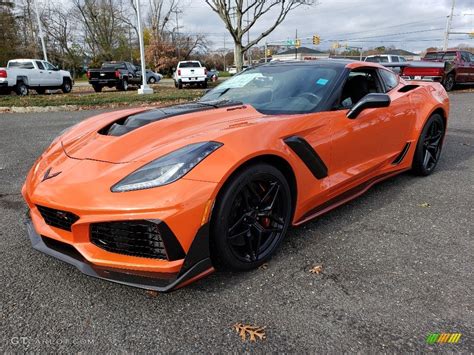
(252, 331)
(151, 293)
(425, 204)
(316, 269)
(264, 266)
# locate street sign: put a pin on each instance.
(290, 42)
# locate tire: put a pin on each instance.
(175, 84)
(21, 89)
(123, 85)
(97, 88)
(449, 82)
(152, 80)
(67, 86)
(204, 84)
(40, 91)
(180, 84)
(247, 227)
(428, 148)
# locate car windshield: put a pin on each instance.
(278, 89)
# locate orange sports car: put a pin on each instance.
(156, 198)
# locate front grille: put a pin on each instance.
(136, 238)
(56, 218)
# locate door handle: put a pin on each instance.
(41, 72)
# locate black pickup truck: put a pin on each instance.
(118, 74)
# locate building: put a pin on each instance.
(401, 52)
(302, 53)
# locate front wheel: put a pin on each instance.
(251, 217)
(428, 148)
(152, 80)
(123, 86)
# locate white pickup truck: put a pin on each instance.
(190, 72)
(21, 75)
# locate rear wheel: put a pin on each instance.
(67, 86)
(97, 88)
(152, 80)
(123, 86)
(180, 84)
(449, 82)
(21, 89)
(428, 148)
(251, 217)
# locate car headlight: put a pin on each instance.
(167, 169)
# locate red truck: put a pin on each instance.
(448, 67)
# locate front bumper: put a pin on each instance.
(197, 263)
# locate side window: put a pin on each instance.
(471, 57)
(40, 65)
(390, 79)
(360, 83)
(49, 66)
(465, 57)
(395, 58)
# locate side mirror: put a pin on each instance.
(369, 101)
(174, 69)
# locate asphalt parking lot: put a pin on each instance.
(397, 265)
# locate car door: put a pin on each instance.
(356, 152)
(471, 66)
(53, 76)
(41, 74)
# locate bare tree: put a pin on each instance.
(232, 14)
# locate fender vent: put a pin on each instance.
(402, 154)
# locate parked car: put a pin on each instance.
(159, 197)
(233, 70)
(190, 72)
(212, 75)
(385, 58)
(20, 75)
(151, 76)
(448, 67)
(114, 74)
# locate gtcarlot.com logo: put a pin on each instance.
(441, 338)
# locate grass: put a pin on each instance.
(162, 95)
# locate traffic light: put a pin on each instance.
(298, 43)
(316, 40)
(268, 53)
(336, 45)
(471, 34)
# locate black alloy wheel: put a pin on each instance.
(449, 82)
(429, 146)
(252, 217)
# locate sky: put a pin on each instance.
(413, 25)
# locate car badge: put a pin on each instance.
(47, 175)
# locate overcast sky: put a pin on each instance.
(367, 23)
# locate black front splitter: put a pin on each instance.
(161, 282)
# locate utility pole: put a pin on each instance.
(40, 27)
(296, 48)
(449, 20)
(144, 89)
(177, 12)
(225, 52)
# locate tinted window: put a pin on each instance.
(279, 89)
(471, 57)
(394, 58)
(402, 59)
(189, 65)
(21, 65)
(465, 56)
(40, 65)
(433, 55)
(113, 66)
(390, 79)
(449, 56)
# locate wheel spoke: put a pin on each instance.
(236, 224)
(275, 189)
(240, 234)
(428, 157)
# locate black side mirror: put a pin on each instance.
(369, 101)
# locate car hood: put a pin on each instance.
(134, 135)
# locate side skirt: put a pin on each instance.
(345, 197)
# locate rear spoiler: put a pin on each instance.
(399, 67)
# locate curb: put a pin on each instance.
(32, 109)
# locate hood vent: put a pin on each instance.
(130, 123)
